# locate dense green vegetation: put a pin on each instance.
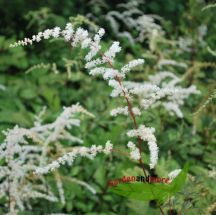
(53, 74)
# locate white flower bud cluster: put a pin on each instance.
(93, 45)
(112, 51)
(119, 110)
(70, 157)
(127, 68)
(124, 111)
(147, 134)
(107, 73)
(134, 154)
(117, 89)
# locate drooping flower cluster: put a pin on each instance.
(147, 134)
(78, 151)
(134, 154)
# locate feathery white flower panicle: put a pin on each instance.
(94, 63)
(58, 129)
(125, 69)
(133, 19)
(77, 152)
(81, 36)
(119, 110)
(163, 89)
(118, 89)
(134, 151)
(174, 174)
(124, 111)
(107, 73)
(56, 32)
(95, 45)
(147, 134)
(20, 160)
(112, 51)
(68, 32)
(108, 147)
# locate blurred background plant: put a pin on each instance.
(181, 40)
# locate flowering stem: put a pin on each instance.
(132, 115)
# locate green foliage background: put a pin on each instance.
(27, 93)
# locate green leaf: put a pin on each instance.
(141, 191)
(147, 192)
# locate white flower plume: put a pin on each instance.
(77, 152)
(147, 134)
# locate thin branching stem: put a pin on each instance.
(133, 117)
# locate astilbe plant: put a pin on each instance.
(152, 93)
(21, 159)
(23, 150)
(133, 18)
